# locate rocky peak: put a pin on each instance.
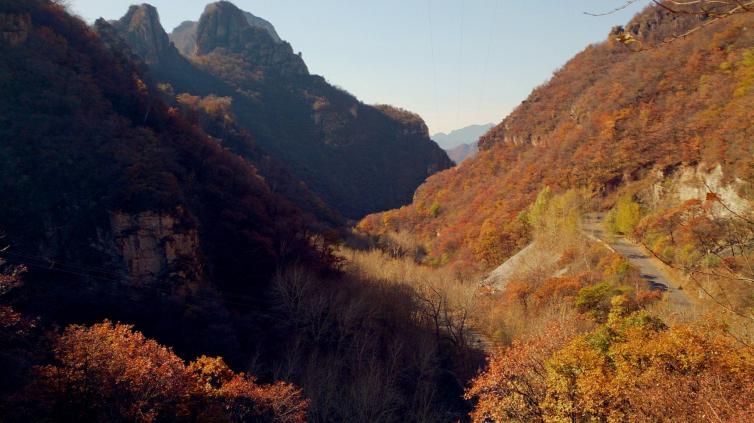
(184, 37)
(142, 31)
(222, 25)
(257, 22)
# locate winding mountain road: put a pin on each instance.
(651, 269)
(676, 298)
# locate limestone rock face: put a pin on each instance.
(184, 37)
(143, 32)
(224, 26)
(694, 183)
(14, 28)
(257, 22)
(156, 246)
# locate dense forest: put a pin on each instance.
(175, 243)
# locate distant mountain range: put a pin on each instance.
(461, 144)
(463, 152)
(467, 135)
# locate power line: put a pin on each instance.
(432, 53)
(485, 68)
(460, 62)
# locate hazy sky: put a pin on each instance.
(455, 62)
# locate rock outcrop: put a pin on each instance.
(225, 26)
(157, 247)
(694, 183)
(257, 22)
(144, 33)
(184, 37)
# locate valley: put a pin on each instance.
(195, 227)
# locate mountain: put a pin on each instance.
(142, 33)
(612, 121)
(184, 35)
(340, 147)
(125, 201)
(119, 205)
(462, 152)
(467, 135)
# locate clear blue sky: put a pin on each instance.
(476, 61)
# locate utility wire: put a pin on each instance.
(460, 62)
(485, 68)
(432, 54)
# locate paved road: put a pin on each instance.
(651, 271)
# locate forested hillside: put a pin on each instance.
(174, 243)
(124, 203)
(611, 118)
(106, 188)
(325, 136)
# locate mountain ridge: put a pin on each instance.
(324, 135)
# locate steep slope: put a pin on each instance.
(611, 118)
(141, 31)
(110, 196)
(340, 147)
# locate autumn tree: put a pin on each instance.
(513, 387)
(632, 368)
(109, 372)
(711, 243)
(624, 217)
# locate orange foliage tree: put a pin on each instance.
(633, 368)
(111, 372)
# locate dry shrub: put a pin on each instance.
(373, 345)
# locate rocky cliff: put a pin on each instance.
(144, 34)
(184, 35)
(158, 247)
(694, 183)
(223, 25)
